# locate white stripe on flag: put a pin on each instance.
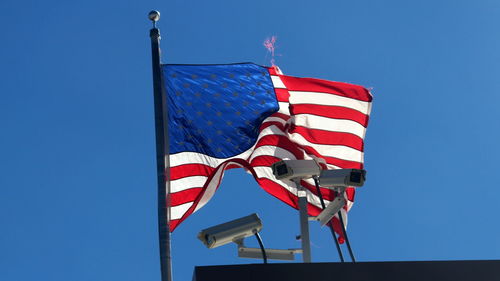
(187, 183)
(177, 212)
(211, 187)
(274, 119)
(329, 124)
(284, 108)
(337, 151)
(298, 97)
(277, 82)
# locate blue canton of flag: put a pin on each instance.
(217, 110)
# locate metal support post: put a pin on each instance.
(304, 222)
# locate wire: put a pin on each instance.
(264, 255)
(346, 238)
(329, 224)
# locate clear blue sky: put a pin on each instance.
(77, 158)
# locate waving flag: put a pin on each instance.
(250, 116)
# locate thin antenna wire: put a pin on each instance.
(264, 255)
(345, 235)
(329, 224)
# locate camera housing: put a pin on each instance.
(342, 177)
(292, 169)
(333, 208)
(272, 254)
(231, 231)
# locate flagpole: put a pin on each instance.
(162, 152)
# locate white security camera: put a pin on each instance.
(272, 254)
(342, 177)
(231, 231)
(292, 169)
(333, 208)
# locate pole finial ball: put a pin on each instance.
(154, 16)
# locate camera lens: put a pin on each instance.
(355, 177)
(210, 240)
(281, 170)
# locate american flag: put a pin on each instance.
(249, 116)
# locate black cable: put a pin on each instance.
(346, 238)
(329, 223)
(264, 255)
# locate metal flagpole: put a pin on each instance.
(162, 152)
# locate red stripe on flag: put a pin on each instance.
(350, 192)
(280, 115)
(327, 137)
(185, 196)
(338, 229)
(272, 70)
(173, 224)
(282, 95)
(323, 86)
(188, 170)
(335, 112)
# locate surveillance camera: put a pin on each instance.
(272, 254)
(231, 231)
(333, 208)
(292, 169)
(342, 177)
